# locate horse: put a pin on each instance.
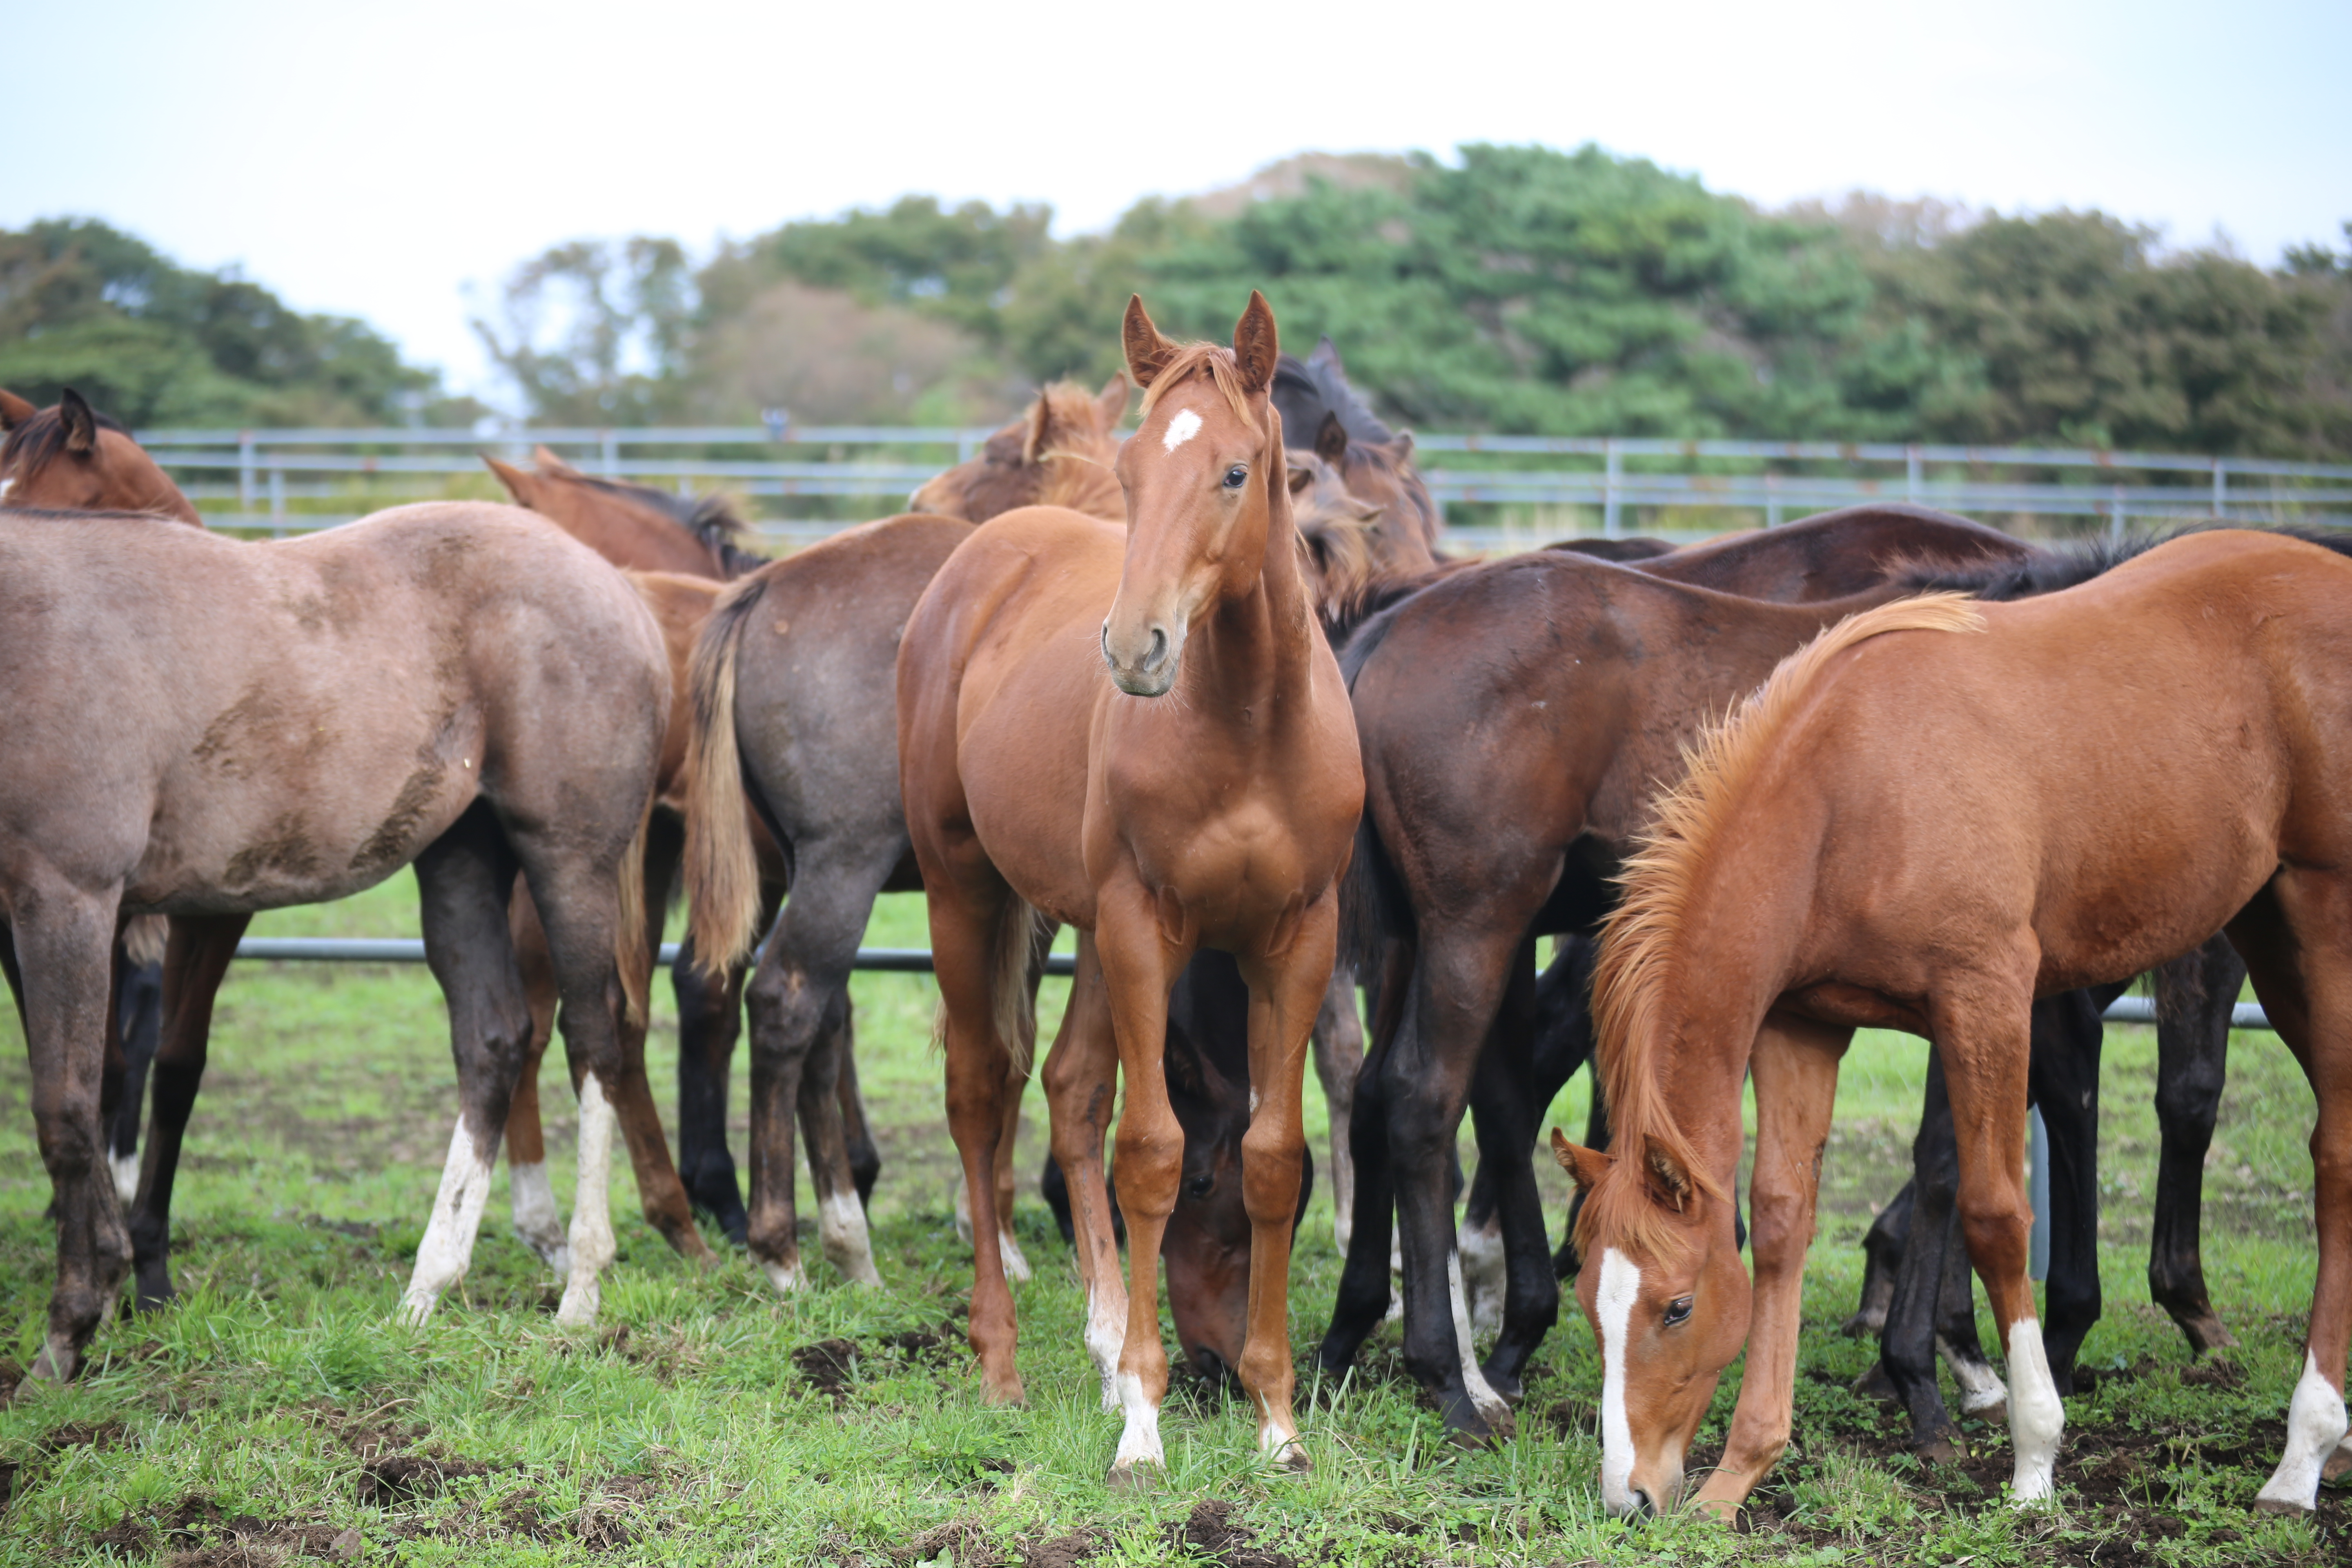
(69, 458)
(632, 525)
(1323, 413)
(1222, 818)
(204, 728)
(1514, 718)
(791, 706)
(1994, 843)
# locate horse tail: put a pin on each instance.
(1017, 956)
(629, 928)
(1373, 906)
(722, 868)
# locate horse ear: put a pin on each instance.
(1148, 352)
(14, 410)
(1331, 440)
(82, 424)
(1401, 446)
(1327, 356)
(1039, 425)
(1111, 407)
(1256, 344)
(517, 483)
(549, 463)
(1301, 476)
(1587, 1166)
(1667, 1174)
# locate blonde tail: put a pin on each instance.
(722, 868)
(629, 937)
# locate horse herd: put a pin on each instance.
(1219, 703)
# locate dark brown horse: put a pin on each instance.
(1033, 785)
(1515, 718)
(1323, 413)
(204, 728)
(1987, 849)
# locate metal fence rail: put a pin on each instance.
(270, 472)
(898, 961)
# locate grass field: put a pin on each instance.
(275, 1413)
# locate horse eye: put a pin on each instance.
(1235, 476)
(1199, 1185)
(1678, 1311)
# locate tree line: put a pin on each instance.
(1518, 289)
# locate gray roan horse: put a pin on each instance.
(205, 728)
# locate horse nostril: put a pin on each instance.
(1643, 1507)
(1158, 654)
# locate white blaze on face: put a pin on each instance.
(1180, 429)
(2315, 1424)
(1612, 1304)
(2036, 1416)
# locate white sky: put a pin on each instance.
(380, 160)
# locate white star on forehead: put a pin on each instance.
(1180, 429)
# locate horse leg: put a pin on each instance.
(800, 987)
(1081, 1080)
(1338, 1058)
(1920, 1316)
(710, 1016)
(196, 960)
(1016, 1084)
(1140, 966)
(1882, 1250)
(965, 937)
(1288, 989)
(139, 1018)
(1795, 1068)
(2195, 994)
(464, 881)
(840, 1216)
(659, 1191)
(531, 1196)
(1361, 1302)
(1984, 1033)
(1457, 988)
(2291, 936)
(857, 1128)
(1505, 1103)
(2065, 1080)
(64, 945)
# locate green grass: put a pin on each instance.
(276, 1409)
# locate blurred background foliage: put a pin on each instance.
(1519, 289)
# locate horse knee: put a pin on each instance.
(1274, 1164)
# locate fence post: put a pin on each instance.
(2221, 490)
(245, 472)
(2116, 517)
(277, 502)
(1914, 477)
(610, 446)
(1611, 471)
(1771, 498)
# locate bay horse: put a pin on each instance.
(1994, 843)
(1515, 718)
(1323, 413)
(205, 728)
(633, 525)
(1034, 786)
(791, 706)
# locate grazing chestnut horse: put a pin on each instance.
(1220, 817)
(1516, 717)
(2026, 797)
(69, 457)
(205, 728)
(793, 705)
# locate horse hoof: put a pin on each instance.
(2207, 1333)
(1876, 1385)
(2337, 1463)
(2288, 1506)
(1864, 1326)
(1135, 1477)
(1007, 1391)
(1940, 1448)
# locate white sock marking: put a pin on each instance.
(2036, 1416)
(1981, 1389)
(449, 1245)
(841, 1223)
(1139, 1441)
(1277, 1435)
(1180, 429)
(963, 1211)
(1484, 1275)
(1016, 1267)
(535, 1216)
(1107, 1336)
(126, 1176)
(786, 1278)
(1488, 1404)
(1621, 1286)
(2314, 1424)
(592, 1206)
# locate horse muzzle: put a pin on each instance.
(1147, 671)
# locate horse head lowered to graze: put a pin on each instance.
(1058, 453)
(1989, 847)
(1220, 817)
(69, 458)
(633, 525)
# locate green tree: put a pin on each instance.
(595, 333)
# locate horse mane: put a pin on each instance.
(1330, 379)
(1214, 361)
(41, 439)
(711, 518)
(2053, 571)
(1643, 937)
(1082, 484)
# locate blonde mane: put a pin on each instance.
(1641, 939)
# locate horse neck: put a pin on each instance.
(1260, 645)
